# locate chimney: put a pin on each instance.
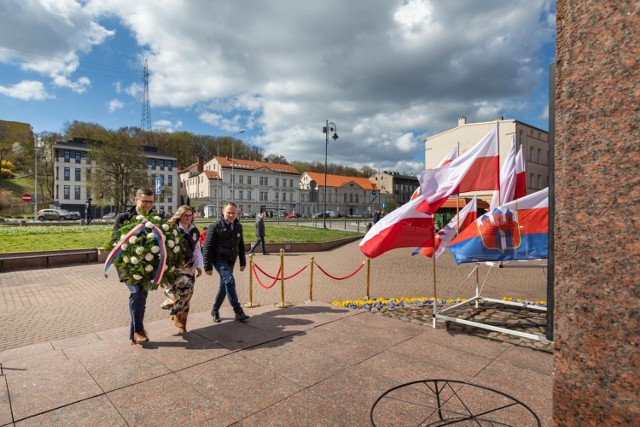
(462, 120)
(200, 164)
(499, 118)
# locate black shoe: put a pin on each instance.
(265, 253)
(242, 317)
(216, 315)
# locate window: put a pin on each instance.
(76, 192)
(249, 180)
(241, 195)
(291, 183)
(531, 181)
(78, 178)
(539, 181)
(277, 195)
(161, 162)
(284, 197)
(277, 182)
(357, 198)
(170, 180)
(67, 156)
(241, 180)
(169, 165)
(67, 192)
(539, 155)
(67, 174)
(78, 156)
(264, 180)
(345, 197)
(531, 152)
(153, 163)
(249, 196)
(263, 196)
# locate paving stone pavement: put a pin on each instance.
(48, 304)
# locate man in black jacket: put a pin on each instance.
(137, 296)
(222, 246)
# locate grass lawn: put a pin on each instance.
(50, 238)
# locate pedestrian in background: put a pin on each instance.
(222, 247)
(88, 215)
(259, 235)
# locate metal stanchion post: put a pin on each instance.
(251, 304)
(310, 300)
(282, 303)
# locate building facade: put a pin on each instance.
(346, 195)
(72, 168)
(395, 189)
(534, 142)
(253, 185)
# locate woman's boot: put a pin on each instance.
(183, 319)
(178, 323)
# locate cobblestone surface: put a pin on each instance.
(526, 320)
(48, 304)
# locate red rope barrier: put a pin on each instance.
(260, 281)
(267, 274)
(298, 272)
(345, 277)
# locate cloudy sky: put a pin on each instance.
(388, 73)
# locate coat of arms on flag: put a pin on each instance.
(499, 230)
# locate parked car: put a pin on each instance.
(292, 215)
(327, 214)
(48, 215)
(248, 214)
(109, 215)
(65, 214)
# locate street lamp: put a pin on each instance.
(233, 178)
(35, 178)
(329, 127)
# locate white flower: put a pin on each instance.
(137, 277)
(172, 268)
(151, 236)
(175, 232)
(139, 250)
(148, 268)
(148, 257)
(125, 259)
(176, 249)
(165, 227)
(170, 243)
(155, 249)
(134, 260)
(140, 217)
(124, 246)
(148, 224)
(132, 239)
(177, 241)
(123, 236)
(157, 218)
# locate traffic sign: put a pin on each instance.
(373, 192)
(26, 197)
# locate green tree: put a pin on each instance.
(121, 168)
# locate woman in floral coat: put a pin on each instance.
(180, 293)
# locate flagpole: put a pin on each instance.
(435, 296)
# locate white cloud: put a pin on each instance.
(114, 105)
(26, 91)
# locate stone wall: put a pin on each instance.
(597, 250)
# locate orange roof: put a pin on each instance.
(211, 174)
(225, 162)
(461, 202)
(340, 181)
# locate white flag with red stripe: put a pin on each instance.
(405, 227)
(477, 169)
(507, 179)
(521, 176)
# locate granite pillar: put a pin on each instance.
(597, 182)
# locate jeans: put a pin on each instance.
(255, 245)
(227, 287)
(137, 305)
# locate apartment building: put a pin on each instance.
(346, 195)
(253, 185)
(395, 188)
(72, 166)
(534, 141)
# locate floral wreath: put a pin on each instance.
(146, 251)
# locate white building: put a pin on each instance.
(254, 186)
(534, 141)
(346, 195)
(70, 177)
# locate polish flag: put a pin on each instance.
(465, 217)
(518, 230)
(521, 176)
(405, 227)
(477, 169)
(507, 179)
(453, 154)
